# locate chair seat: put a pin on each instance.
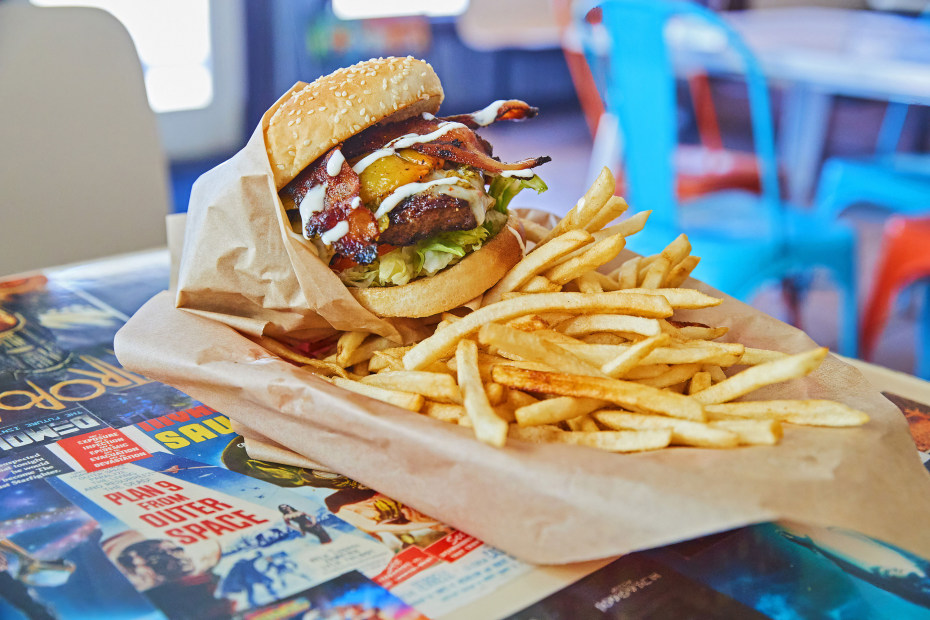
(739, 244)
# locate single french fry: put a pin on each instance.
(540, 284)
(813, 412)
(590, 323)
(434, 386)
(517, 399)
(752, 432)
(684, 298)
(611, 210)
(531, 348)
(684, 432)
(700, 332)
(554, 410)
(754, 377)
(589, 283)
(442, 342)
(753, 357)
(655, 274)
(629, 226)
(623, 393)
(611, 441)
(716, 372)
(700, 381)
(645, 371)
(628, 273)
(680, 272)
(444, 411)
(347, 344)
(496, 393)
(405, 400)
(597, 254)
(582, 424)
(541, 258)
(676, 374)
(489, 427)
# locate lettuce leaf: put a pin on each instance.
(403, 264)
(504, 189)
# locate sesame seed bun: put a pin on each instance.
(453, 286)
(335, 107)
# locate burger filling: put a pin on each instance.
(403, 200)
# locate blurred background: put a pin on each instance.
(847, 85)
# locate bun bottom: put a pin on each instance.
(451, 287)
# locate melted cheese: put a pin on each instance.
(404, 142)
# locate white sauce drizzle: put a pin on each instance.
(355, 202)
(488, 115)
(335, 233)
(405, 191)
(334, 164)
(403, 142)
(523, 174)
(311, 203)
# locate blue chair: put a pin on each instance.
(745, 240)
(899, 182)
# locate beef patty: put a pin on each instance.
(424, 215)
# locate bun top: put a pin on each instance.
(319, 115)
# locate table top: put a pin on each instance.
(855, 53)
(96, 460)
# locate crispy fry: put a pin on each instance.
(754, 377)
(611, 441)
(489, 427)
(680, 272)
(444, 411)
(814, 412)
(681, 297)
(441, 343)
(597, 254)
(611, 210)
(587, 207)
(347, 344)
(623, 393)
(679, 373)
(528, 347)
(540, 284)
(589, 323)
(432, 385)
(700, 381)
(405, 400)
(684, 432)
(554, 410)
(582, 424)
(540, 259)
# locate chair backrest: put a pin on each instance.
(82, 171)
(640, 90)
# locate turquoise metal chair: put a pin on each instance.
(899, 182)
(745, 240)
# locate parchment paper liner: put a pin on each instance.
(244, 268)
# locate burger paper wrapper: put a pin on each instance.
(551, 504)
(245, 267)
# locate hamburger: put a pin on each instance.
(407, 208)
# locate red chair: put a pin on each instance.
(904, 259)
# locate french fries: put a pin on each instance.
(562, 350)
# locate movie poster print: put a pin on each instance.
(203, 542)
(51, 561)
(791, 570)
(351, 596)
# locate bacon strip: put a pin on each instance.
(512, 110)
(461, 145)
(360, 243)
